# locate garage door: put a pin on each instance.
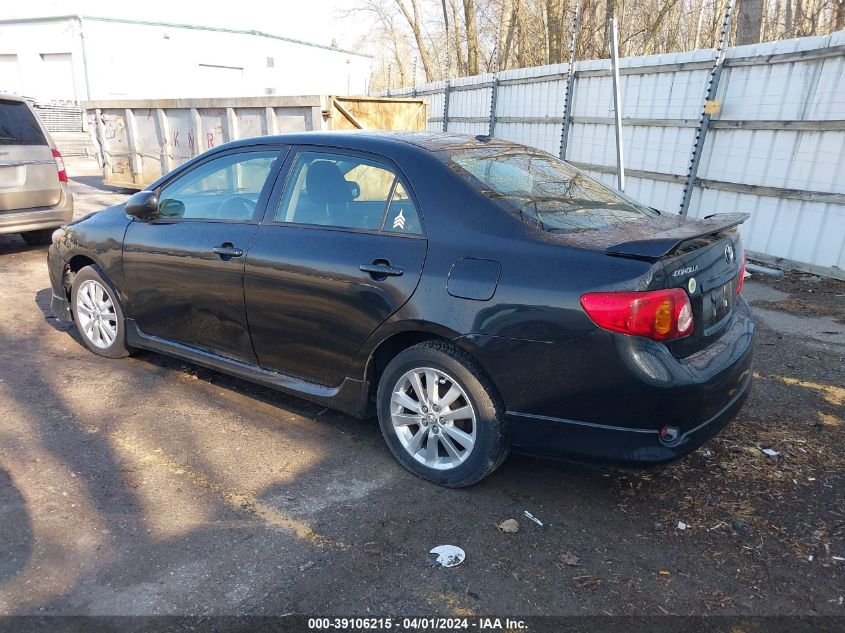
(57, 77)
(10, 75)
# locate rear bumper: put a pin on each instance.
(643, 389)
(555, 437)
(38, 218)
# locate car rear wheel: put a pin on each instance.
(98, 315)
(37, 238)
(441, 415)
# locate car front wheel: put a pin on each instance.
(98, 315)
(441, 415)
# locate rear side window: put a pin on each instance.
(343, 191)
(18, 125)
(401, 214)
(546, 189)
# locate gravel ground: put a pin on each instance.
(148, 486)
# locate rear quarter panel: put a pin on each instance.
(516, 334)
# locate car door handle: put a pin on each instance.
(380, 271)
(227, 250)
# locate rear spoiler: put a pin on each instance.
(664, 242)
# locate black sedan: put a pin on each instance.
(477, 295)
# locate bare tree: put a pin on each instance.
(609, 12)
(413, 18)
(555, 10)
(487, 35)
(749, 23)
(654, 28)
(472, 37)
(460, 64)
(788, 20)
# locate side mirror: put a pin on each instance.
(143, 205)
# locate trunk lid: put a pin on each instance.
(708, 268)
(704, 257)
(28, 177)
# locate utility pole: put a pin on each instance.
(617, 103)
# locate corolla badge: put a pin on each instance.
(730, 255)
(685, 271)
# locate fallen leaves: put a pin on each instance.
(587, 582)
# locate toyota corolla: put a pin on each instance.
(476, 295)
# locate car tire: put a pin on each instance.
(463, 416)
(38, 238)
(98, 314)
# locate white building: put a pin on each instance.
(79, 58)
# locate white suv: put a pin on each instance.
(34, 197)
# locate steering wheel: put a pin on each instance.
(236, 208)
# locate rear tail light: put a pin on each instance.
(660, 315)
(60, 165)
(741, 275)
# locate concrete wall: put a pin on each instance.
(45, 59)
(27, 54)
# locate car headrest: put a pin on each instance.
(325, 183)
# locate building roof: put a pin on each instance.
(175, 25)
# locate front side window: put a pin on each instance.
(348, 192)
(545, 188)
(226, 188)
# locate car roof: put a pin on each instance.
(380, 140)
(7, 96)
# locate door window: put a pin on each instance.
(346, 191)
(226, 188)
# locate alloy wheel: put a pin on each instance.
(95, 314)
(433, 418)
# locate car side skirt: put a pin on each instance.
(350, 397)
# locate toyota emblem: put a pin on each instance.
(729, 253)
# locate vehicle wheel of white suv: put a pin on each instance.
(98, 315)
(37, 238)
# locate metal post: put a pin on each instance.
(494, 97)
(709, 105)
(84, 58)
(494, 91)
(617, 105)
(570, 83)
(448, 71)
(446, 107)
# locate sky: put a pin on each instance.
(318, 21)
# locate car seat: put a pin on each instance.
(329, 192)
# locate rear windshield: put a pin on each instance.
(18, 125)
(545, 189)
